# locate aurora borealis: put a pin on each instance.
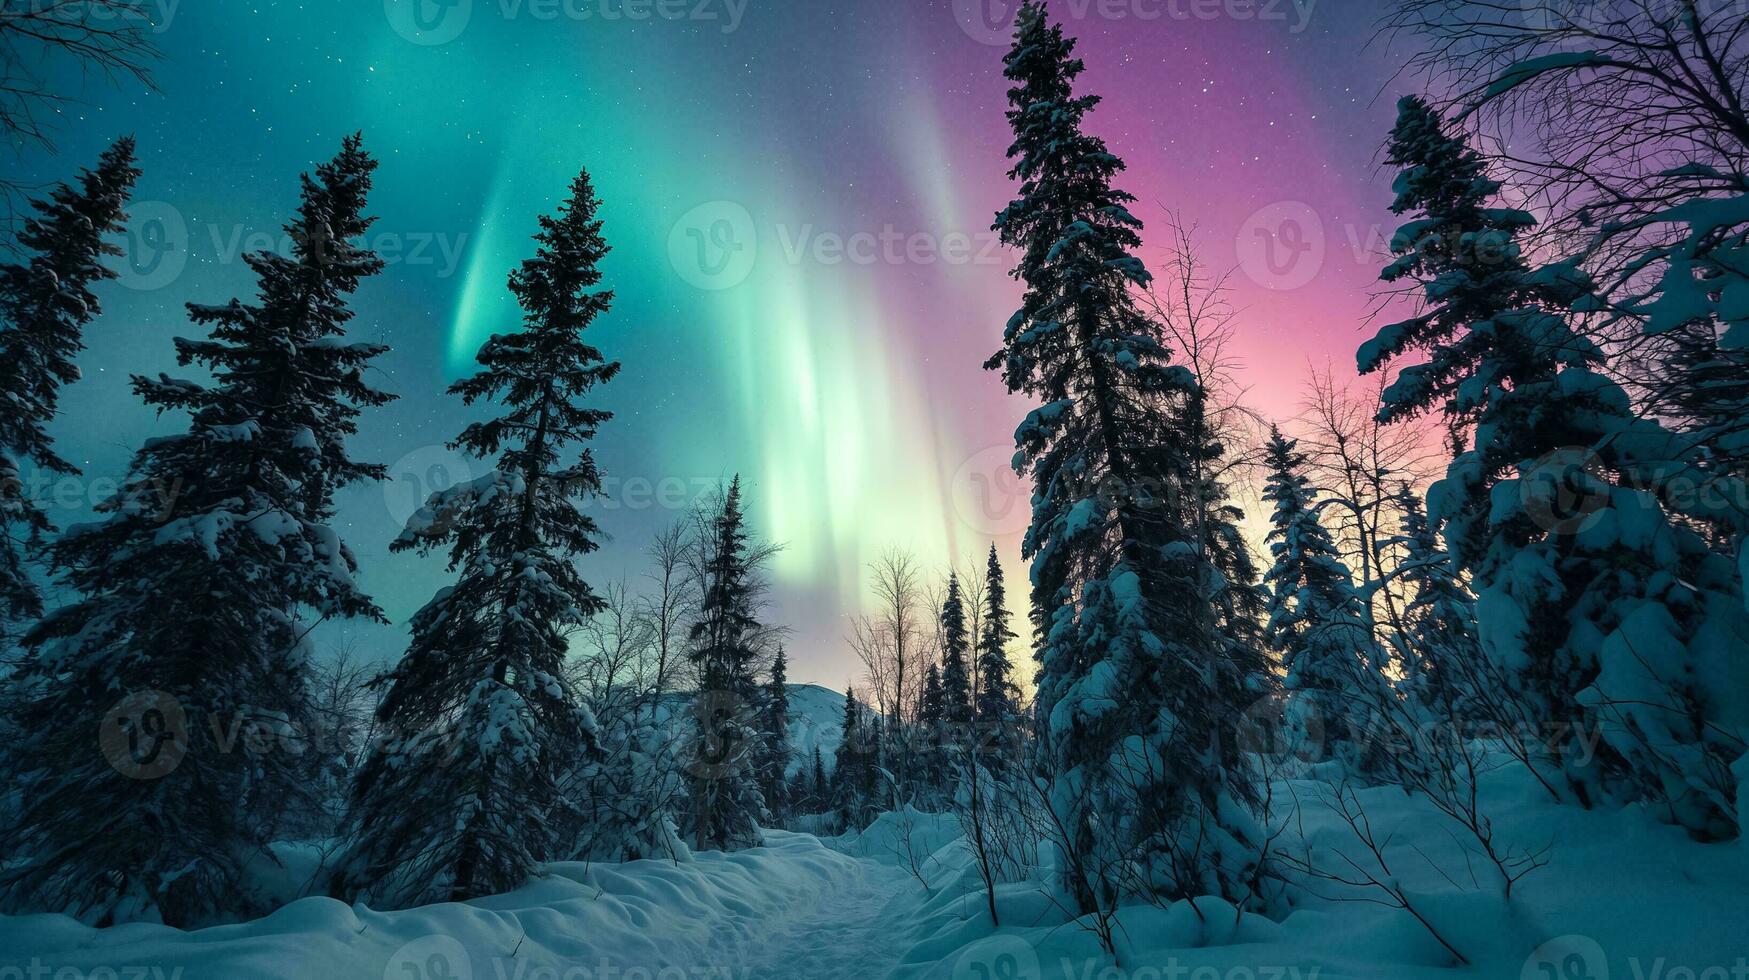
(798, 195)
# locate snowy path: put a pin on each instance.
(846, 935)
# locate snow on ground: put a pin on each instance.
(1622, 897)
(849, 935)
(911, 839)
(730, 916)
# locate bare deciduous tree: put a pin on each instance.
(614, 661)
(1624, 106)
(670, 604)
(343, 707)
(1193, 306)
(42, 42)
(973, 589)
(1359, 463)
(893, 642)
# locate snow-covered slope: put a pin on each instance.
(816, 718)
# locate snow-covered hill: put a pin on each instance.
(816, 718)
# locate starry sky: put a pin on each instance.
(799, 195)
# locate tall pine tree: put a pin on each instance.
(727, 806)
(468, 791)
(998, 698)
(196, 590)
(1601, 614)
(1317, 619)
(1139, 697)
(929, 761)
(818, 785)
(774, 734)
(929, 705)
(850, 765)
(46, 302)
(956, 677)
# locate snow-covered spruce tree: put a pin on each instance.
(1001, 729)
(1711, 402)
(928, 741)
(956, 675)
(929, 703)
(774, 731)
(815, 791)
(1317, 619)
(466, 793)
(1600, 613)
(727, 807)
(184, 656)
(875, 756)
(1439, 657)
(1693, 309)
(628, 794)
(850, 765)
(998, 697)
(45, 303)
(1139, 701)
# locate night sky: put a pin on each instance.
(798, 193)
